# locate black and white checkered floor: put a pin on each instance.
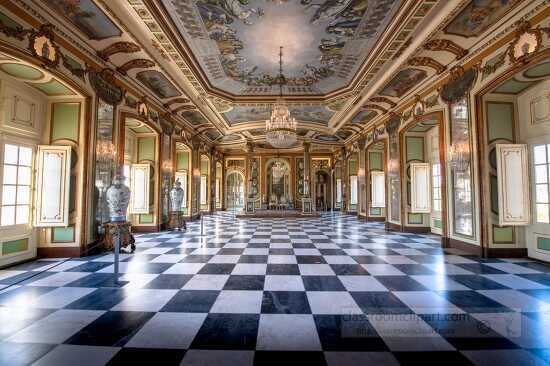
(331, 290)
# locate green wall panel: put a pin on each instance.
(415, 148)
(543, 243)
(352, 167)
(375, 211)
(15, 246)
(22, 71)
(415, 218)
(500, 118)
(52, 87)
(204, 167)
(146, 219)
(63, 234)
(146, 148)
(65, 121)
(375, 161)
(503, 234)
(438, 224)
(182, 160)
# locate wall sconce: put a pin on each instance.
(459, 156)
(106, 151)
(393, 166)
(167, 166)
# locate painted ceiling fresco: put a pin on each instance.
(158, 83)
(363, 116)
(404, 81)
(478, 16)
(87, 17)
(312, 114)
(194, 117)
(237, 41)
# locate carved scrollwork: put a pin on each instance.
(14, 32)
(526, 42)
(118, 47)
(176, 101)
(388, 101)
(42, 46)
(427, 62)
(139, 63)
(460, 84)
(446, 45)
(375, 106)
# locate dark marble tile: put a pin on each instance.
(322, 283)
(114, 328)
(348, 333)
(147, 356)
(245, 282)
(285, 302)
(474, 302)
(228, 331)
(380, 303)
(191, 301)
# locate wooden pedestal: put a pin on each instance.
(111, 230)
(177, 222)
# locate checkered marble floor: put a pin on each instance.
(331, 290)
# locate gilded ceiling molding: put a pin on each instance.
(460, 84)
(427, 62)
(446, 45)
(388, 101)
(139, 63)
(527, 42)
(42, 46)
(375, 106)
(118, 47)
(176, 101)
(15, 32)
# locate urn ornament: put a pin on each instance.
(118, 198)
(176, 196)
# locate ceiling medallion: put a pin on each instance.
(280, 130)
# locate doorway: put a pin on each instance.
(516, 112)
(42, 153)
(140, 168)
(234, 190)
(423, 176)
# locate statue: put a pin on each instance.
(118, 198)
(176, 196)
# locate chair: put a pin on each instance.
(283, 203)
(273, 201)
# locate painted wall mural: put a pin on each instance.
(237, 41)
(478, 16)
(87, 17)
(158, 83)
(404, 81)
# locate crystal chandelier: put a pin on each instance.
(280, 130)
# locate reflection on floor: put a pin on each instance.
(331, 290)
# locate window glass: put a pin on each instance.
(353, 190)
(16, 187)
(338, 190)
(204, 194)
(541, 161)
(461, 170)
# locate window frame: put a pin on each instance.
(31, 205)
(546, 163)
